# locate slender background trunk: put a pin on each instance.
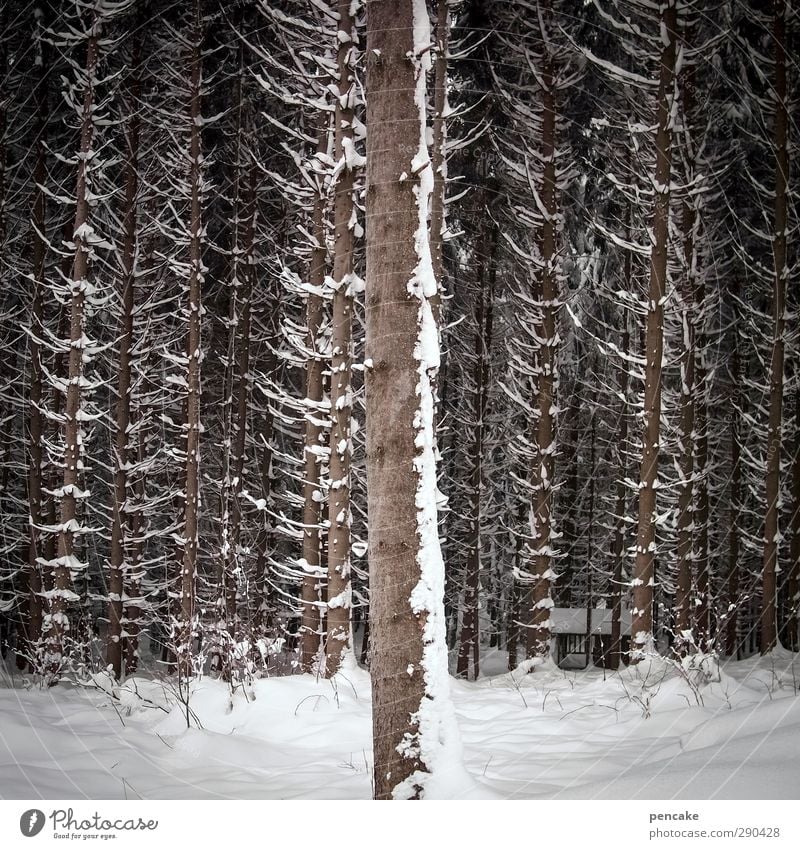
(770, 563)
(644, 571)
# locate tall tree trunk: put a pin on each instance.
(544, 466)
(120, 519)
(793, 580)
(683, 593)
(409, 654)
(188, 549)
(701, 512)
(269, 360)
(136, 530)
(735, 490)
(32, 581)
(697, 293)
(621, 500)
(246, 248)
(569, 527)
(310, 634)
(512, 626)
(60, 368)
(469, 645)
(644, 572)
(780, 143)
(4, 101)
(338, 640)
(57, 620)
(469, 637)
(517, 595)
(590, 530)
(142, 426)
(438, 159)
(237, 378)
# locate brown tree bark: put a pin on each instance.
(120, 519)
(701, 512)
(339, 592)
(697, 292)
(32, 581)
(621, 501)
(398, 551)
(569, 528)
(644, 572)
(133, 602)
(237, 378)
(271, 326)
(187, 625)
(793, 579)
(4, 101)
(60, 368)
(58, 623)
(544, 465)
(311, 625)
(732, 588)
(780, 144)
(517, 595)
(686, 438)
(438, 160)
(512, 626)
(590, 529)
(469, 644)
(142, 426)
(242, 383)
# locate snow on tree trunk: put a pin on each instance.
(438, 157)
(793, 580)
(133, 600)
(643, 573)
(344, 285)
(700, 546)
(781, 273)
(414, 733)
(469, 640)
(686, 437)
(66, 565)
(120, 522)
(544, 462)
(237, 378)
(187, 622)
(311, 590)
(621, 498)
(735, 489)
(32, 616)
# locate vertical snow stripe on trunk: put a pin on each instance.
(415, 739)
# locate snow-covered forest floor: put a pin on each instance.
(655, 731)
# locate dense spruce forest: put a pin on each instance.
(396, 334)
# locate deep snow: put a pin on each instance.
(652, 732)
